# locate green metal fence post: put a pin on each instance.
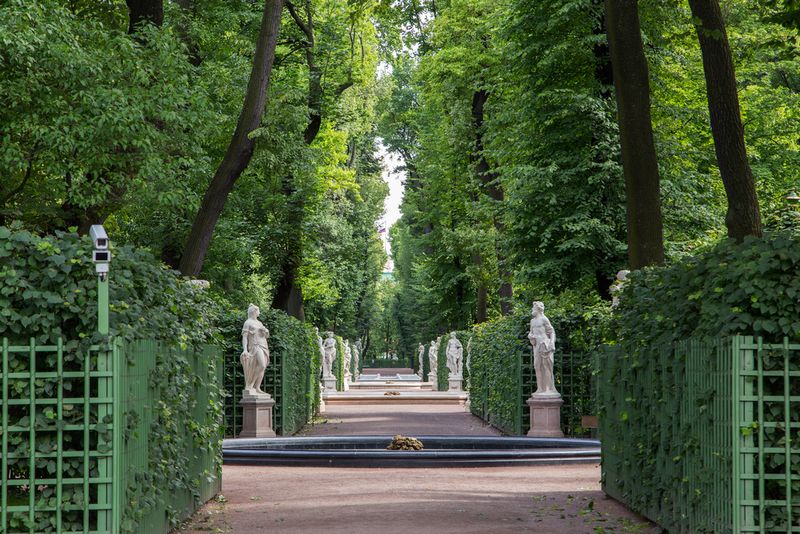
(4, 459)
(102, 305)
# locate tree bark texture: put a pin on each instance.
(144, 11)
(240, 150)
(495, 192)
(743, 217)
(639, 161)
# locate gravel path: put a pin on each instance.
(539, 499)
(392, 419)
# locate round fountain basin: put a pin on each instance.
(439, 451)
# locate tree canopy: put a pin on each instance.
(505, 115)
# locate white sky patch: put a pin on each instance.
(395, 177)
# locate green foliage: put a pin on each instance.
(647, 393)
(294, 348)
(48, 289)
(92, 120)
(726, 289)
(498, 350)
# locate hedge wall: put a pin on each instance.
(497, 389)
(749, 287)
(48, 289)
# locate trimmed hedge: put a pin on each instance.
(48, 289)
(496, 383)
(751, 287)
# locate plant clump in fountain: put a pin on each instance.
(405, 443)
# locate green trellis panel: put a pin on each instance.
(36, 494)
(723, 422)
(66, 434)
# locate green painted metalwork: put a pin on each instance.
(702, 436)
(102, 305)
(69, 457)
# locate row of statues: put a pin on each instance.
(327, 349)
(255, 355)
(455, 360)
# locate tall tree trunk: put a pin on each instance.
(240, 150)
(495, 192)
(289, 294)
(144, 11)
(743, 217)
(639, 161)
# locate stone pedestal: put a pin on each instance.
(433, 381)
(545, 416)
(329, 383)
(455, 382)
(257, 417)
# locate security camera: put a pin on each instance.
(99, 236)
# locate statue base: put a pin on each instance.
(329, 383)
(545, 416)
(257, 416)
(455, 383)
(433, 381)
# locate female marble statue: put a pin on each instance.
(348, 358)
(421, 356)
(328, 355)
(356, 357)
(543, 340)
(433, 359)
(455, 355)
(255, 352)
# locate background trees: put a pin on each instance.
(504, 112)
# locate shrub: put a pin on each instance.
(48, 289)
(751, 288)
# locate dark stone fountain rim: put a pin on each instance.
(440, 451)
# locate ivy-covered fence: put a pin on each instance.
(703, 436)
(501, 378)
(120, 437)
(292, 377)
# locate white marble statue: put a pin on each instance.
(255, 353)
(543, 340)
(433, 360)
(348, 359)
(455, 356)
(321, 350)
(617, 286)
(328, 355)
(421, 358)
(356, 357)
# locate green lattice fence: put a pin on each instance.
(701, 437)
(78, 444)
